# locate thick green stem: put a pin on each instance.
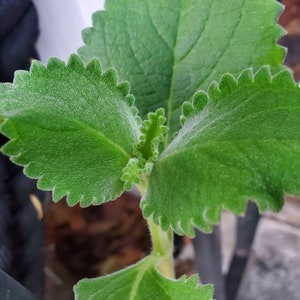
(162, 241)
(162, 247)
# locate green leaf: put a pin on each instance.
(72, 127)
(153, 132)
(135, 170)
(147, 149)
(141, 282)
(168, 49)
(243, 144)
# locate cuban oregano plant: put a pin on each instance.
(210, 120)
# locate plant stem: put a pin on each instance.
(162, 243)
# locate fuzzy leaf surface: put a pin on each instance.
(153, 132)
(141, 282)
(73, 127)
(168, 49)
(240, 141)
(146, 151)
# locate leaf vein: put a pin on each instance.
(156, 29)
(133, 52)
(169, 101)
(139, 277)
(225, 49)
(198, 38)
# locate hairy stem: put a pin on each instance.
(162, 247)
(162, 241)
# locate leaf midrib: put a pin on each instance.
(169, 100)
(139, 276)
(93, 131)
(111, 142)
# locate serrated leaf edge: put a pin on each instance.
(215, 92)
(141, 164)
(227, 84)
(134, 171)
(21, 77)
(156, 119)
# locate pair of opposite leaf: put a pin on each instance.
(77, 129)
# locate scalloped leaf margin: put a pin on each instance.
(189, 198)
(147, 149)
(168, 49)
(72, 127)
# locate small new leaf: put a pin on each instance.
(153, 132)
(141, 281)
(72, 127)
(147, 149)
(134, 172)
(243, 144)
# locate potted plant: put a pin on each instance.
(213, 122)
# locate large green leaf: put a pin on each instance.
(72, 127)
(168, 49)
(243, 144)
(141, 282)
